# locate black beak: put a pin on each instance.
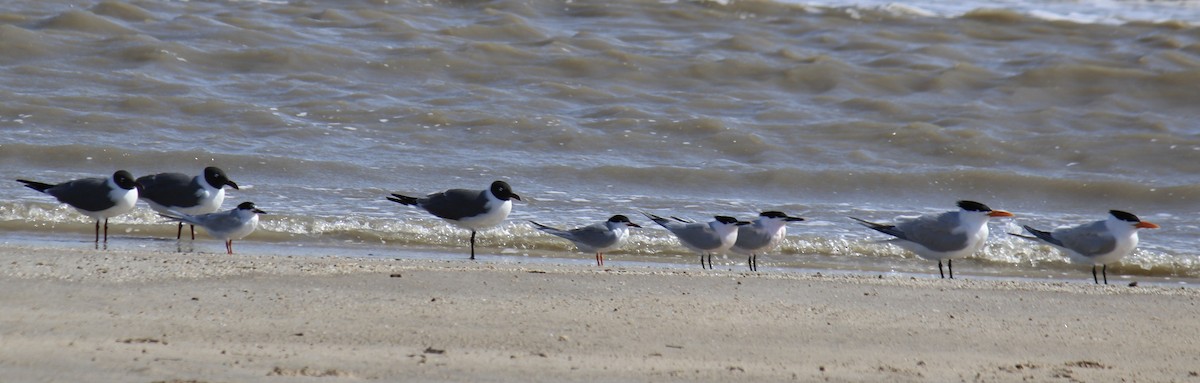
(232, 185)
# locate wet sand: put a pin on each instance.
(126, 316)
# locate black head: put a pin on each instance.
(729, 220)
(974, 206)
(779, 214)
(622, 219)
(250, 206)
(124, 180)
(1124, 216)
(217, 178)
(501, 190)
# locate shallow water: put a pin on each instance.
(597, 108)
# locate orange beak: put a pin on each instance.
(1145, 225)
(1000, 213)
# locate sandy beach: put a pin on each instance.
(71, 316)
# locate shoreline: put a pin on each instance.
(139, 316)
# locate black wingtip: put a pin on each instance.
(403, 199)
(541, 226)
(39, 186)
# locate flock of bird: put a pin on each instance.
(945, 236)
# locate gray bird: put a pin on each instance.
(597, 238)
(98, 198)
(704, 238)
(469, 209)
(1095, 243)
(762, 235)
(202, 194)
(949, 235)
(227, 225)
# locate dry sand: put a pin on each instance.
(68, 316)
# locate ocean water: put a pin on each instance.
(1056, 111)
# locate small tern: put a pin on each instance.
(597, 238)
(227, 225)
(704, 238)
(762, 235)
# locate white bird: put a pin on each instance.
(98, 198)
(202, 194)
(469, 209)
(1095, 243)
(949, 235)
(597, 238)
(762, 235)
(704, 238)
(227, 225)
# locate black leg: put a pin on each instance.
(193, 231)
(702, 262)
(1104, 270)
(950, 266)
(943, 273)
(106, 230)
(710, 261)
(179, 231)
(750, 262)
(472, 245)
(1094, 279)
(97, 231)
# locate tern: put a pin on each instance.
(202, 194)
(949, 235)
(762, 235)
(98, 198)
(1095, 243)
(704, 238)
(473, 210)
(227, 225)
(597, 238)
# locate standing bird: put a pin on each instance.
(949, 235)
(1095, 243)
(228, 225)
(202, 194)
(704, 238)
(473, 210)
(597, 238)
(99, 198)
(762, 235)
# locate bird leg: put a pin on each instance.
(97, 231)
(943, 273)
(179, 231)
(1104, 270)
(193, 230)
(1097, 280)
(229, 246)
(950, 266)
(105, 229)
(472, 245)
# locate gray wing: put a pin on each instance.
(170, 189)
(934, 232)
(595, 236)
(1087, 239)
(698, 235)
(455, 204)
(90, 194)
(752, 237)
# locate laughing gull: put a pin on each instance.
(227, 225)
(704, 238)
(99, 198)
(473, 210)
(1095, 243)
(762, 235)
(202, 194)
(949, 235)
(597, 238)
